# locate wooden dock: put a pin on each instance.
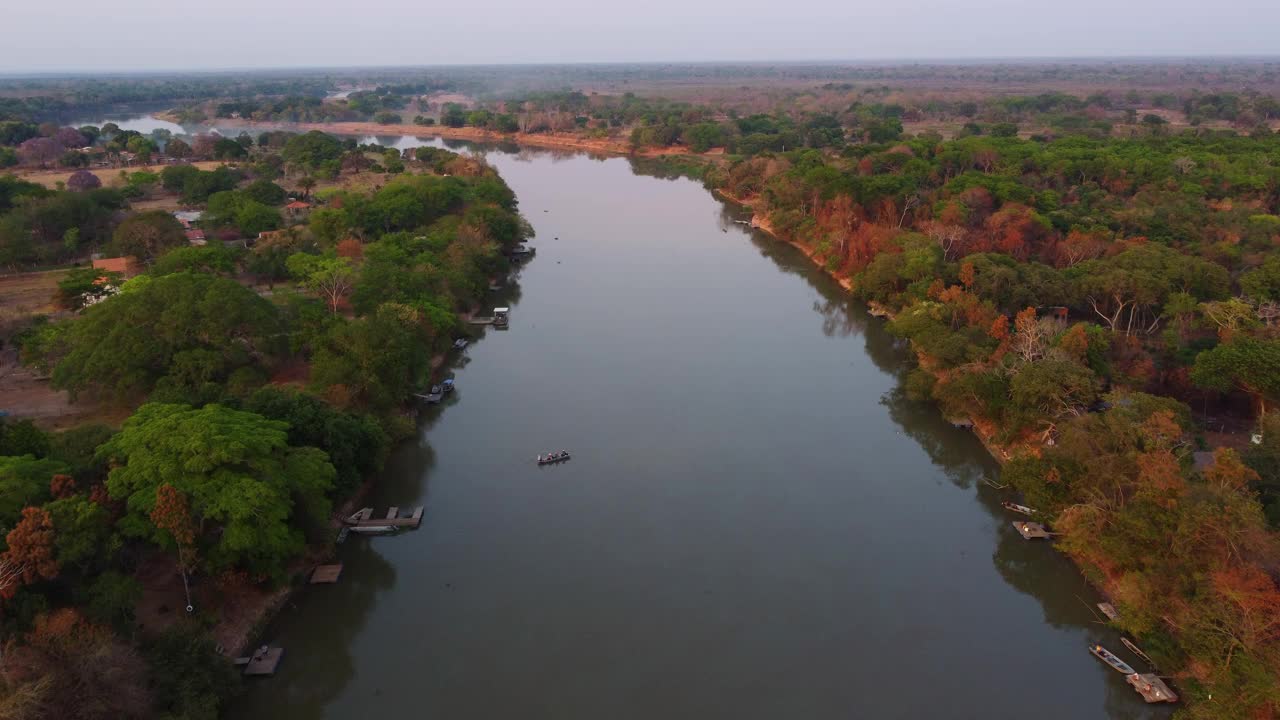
(1032, 530)
(1152, 688)
(325, 574)
(394, 518)
(264, 661)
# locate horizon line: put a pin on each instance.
(837, 62)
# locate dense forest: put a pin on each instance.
(264, 374)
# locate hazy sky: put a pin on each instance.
(151, 35)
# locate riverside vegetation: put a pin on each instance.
(267, 380)
(1091, 278)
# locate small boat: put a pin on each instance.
(446, 387)
(431, 398)
(1137, 651)
(554, 457)
(1109, 610)
(1015, 507)
(1109, 658)
(460, 344)
(373, 529)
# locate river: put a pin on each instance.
(756, 522)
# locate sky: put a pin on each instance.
(88, 35)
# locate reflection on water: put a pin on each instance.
(757, 523)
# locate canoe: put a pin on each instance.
(1015, 507)
(1137, 651)
(1109, 658)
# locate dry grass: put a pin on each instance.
(110, 176)
(30, 293)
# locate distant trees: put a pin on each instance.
(312, 151)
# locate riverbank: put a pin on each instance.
(985, 431)
(552, 141)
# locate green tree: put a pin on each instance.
(356, 444)
(147, 235)
(191, 679)
(311, 150)
(82, 530)
(249, 490)
(85, 286)
(331, 277)
(186, 332)
(1248, 364)
(24, 481)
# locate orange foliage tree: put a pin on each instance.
(30, 550)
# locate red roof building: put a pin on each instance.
(126, 266)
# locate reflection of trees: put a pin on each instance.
(1029, 567)
(951, 449)
(318, 664)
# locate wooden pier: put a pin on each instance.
(1032, 530)
(264, 661)
(325, 574)
(394, 518)
(1152, 688)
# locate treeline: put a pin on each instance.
(256, 416)
(1074, 298)
(62, 99)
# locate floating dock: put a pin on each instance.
(264, 661)
(1032, 530)
(325, 574)
(1152, 688)
(394, 518)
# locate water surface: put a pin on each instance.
(756, 523)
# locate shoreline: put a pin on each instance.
(1000, 453)
(550, 141)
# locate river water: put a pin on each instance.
(756, 523)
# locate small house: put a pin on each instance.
(195, 236)
(297, 208)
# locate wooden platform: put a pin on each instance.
(1031, 530)
(394, 518)
(1151, 688)
(326, 574)
(1109, 610)
(262, 662)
